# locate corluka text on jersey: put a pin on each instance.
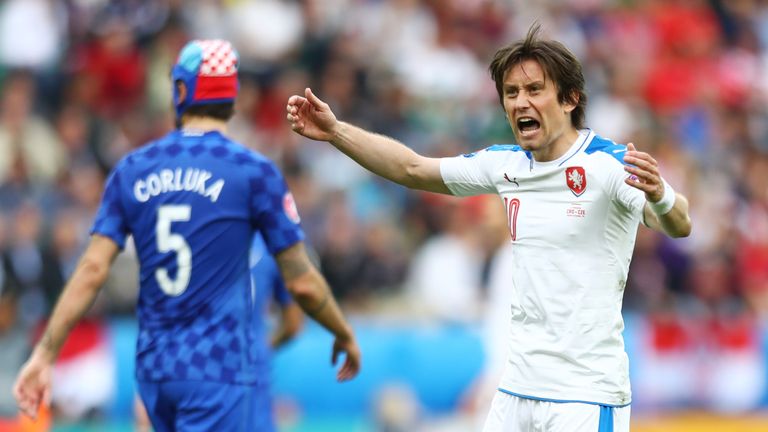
(177, 180)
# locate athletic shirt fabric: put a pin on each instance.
(193, 201)
(573, 223)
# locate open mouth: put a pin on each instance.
(527, 125)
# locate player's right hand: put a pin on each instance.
(351, 365)
(33, 386)
(311, 117)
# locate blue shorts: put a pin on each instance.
(207, 406)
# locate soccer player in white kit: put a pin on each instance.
(574, 201)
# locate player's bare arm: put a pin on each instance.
(384, 156)
(675, 221)
(33, 384)
(308, 287)
(291, 321)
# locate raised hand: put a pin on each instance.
(645, 173)
(311, 117)
(351, 365)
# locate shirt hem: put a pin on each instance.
(555, 400)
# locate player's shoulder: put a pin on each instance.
(149, 150)
(504, 148)
(211, 145)
(605, 149)
(499, 151)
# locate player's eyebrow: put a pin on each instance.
(535, 84)
(528, 86)
(510, 87)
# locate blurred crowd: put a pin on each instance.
(82, 82)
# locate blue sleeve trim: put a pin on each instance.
(110, 220)
(119, 241)
(509, 147)
(504, 147)
(600, 144)
(559, 400)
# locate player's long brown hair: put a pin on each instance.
(558, 62)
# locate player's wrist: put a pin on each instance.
(667, 201)
(345, 333)
(337, 131)
(45, 355)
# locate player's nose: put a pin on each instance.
(522, 102)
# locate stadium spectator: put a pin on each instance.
(30, 152)
(446, 276)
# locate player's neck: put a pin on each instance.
(203, 124)
(558, 147)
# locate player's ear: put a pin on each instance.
(181, 90)
(570, 103)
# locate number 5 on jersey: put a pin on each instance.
(170, 242)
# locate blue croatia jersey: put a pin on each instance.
(192, 202)
(268, 288)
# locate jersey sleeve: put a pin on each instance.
(628, 197)
(264, 267)
(273, 210)
(110, 219)
(467, 175)
(280, 293)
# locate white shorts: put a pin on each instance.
(511, 413)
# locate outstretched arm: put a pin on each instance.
(384, 156)
(33, 383)
(309, 288)
(665, 210)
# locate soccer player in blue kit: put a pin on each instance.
(268, 290)
(192, 201)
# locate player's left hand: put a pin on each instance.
(352, 363)
(645, 173)
(33, 386)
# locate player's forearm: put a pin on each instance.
(77, 297)
(309, 289)
(279, 337)
(677, 223)
(379, 154)
(314, 297)
(290, 324)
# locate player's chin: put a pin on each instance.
(526, 143)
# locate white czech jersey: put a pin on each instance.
(573, 223)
